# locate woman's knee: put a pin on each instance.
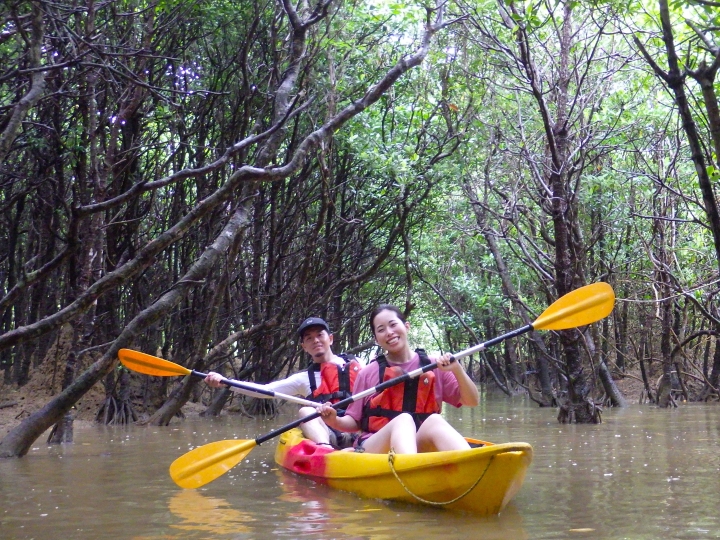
(404, 419)
(401, 424)
(437, 434)
(434, 421)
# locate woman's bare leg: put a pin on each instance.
(435, 434)
(398, 434)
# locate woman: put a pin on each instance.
(383, 429)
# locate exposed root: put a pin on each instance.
(62, 431)
(587, 412)
(252, 407)
(116, 412)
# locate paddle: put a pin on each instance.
(208, 462)
(152, 365)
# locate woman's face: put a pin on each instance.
(390, 331)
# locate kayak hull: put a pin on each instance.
(481, 480)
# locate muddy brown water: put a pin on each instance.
(642, 474)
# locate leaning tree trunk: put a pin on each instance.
(674, 77)
(18, 441)
(614, 396)
(705, 77)
(613, 392)
(218, 402)
(173, 405)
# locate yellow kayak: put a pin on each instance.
(481, 480)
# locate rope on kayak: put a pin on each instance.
(391, 461)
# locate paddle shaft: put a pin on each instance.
(248, 388)
(482, 346)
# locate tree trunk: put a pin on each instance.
(675, 79)
(174, 403)
(669, 379)
(579, 406)
(153, 258)
(19, 440)
(218, 402)
(613, 392)
(62, 432)
(711, 386)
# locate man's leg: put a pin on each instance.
(315, 429)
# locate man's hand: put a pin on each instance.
(214, 379)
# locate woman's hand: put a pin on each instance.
(469, 394)
(327, 413)
(447, 363)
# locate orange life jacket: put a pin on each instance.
(336, 381)
(416, 396)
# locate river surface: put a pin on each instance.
(643, 473)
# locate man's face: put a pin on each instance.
(316, 341)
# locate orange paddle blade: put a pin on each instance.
(150, 365)
(206, 463)
(578, 308)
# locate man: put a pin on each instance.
(329, 378)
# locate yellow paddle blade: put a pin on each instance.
(578, 308)
(206, 463)
(150, 365)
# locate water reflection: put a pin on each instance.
(321, 512)
(200, 512)
(643, 473)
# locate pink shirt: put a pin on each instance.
(446, 386)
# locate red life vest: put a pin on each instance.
(416, 396)
(336, 381)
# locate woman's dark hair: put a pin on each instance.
(382, 307)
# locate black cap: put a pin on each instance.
(312, 321)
